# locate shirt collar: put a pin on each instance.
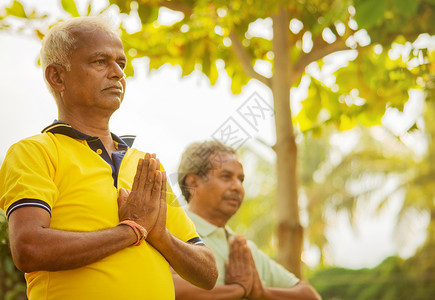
(65, 129)
(203, 227)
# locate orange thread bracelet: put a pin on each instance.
(139, 230)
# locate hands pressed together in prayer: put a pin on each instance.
(241, 270)
(146, 202)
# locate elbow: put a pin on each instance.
(209, 281)
(210, 285)
(26, 258)
(24, 263)
(214, 273)
(316, 296)
(309, 292)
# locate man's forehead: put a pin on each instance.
(103, 54)
(221, 157)
(100, 43)
(222, 160)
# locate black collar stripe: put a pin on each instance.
(65, 129)
(128, 139)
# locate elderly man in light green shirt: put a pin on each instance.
(211, 179)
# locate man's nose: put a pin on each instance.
(116, 71)
(237, 185)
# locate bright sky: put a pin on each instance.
(167, 113)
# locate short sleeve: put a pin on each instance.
(177, 221)
(271, 273)
(27, 175)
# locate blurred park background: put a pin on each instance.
(330, 104)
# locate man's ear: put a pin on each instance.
(191, 180)
(54, 74)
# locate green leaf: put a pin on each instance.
(16, 9)
(70, 7)
(147, 14)
(89, 8)
(405, 7)
(124, 5)
(346, 123)
(336, 11)
(369, 12)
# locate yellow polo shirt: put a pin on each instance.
(77, 186)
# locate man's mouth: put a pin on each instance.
(233, 197)
(114, 88)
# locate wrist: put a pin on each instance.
(139, 230)
(160, 240)
(241, 287)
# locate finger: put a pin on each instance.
(123, 196)
(143, 174)
(236, 253)
(150, 177)
(236, 243)
(157, 186)
(163, 189)
(247, 255)
(158, 164)
(137, 175)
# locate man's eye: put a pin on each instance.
(100, 61)
(122, 65)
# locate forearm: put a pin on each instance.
(186, 291)
(55, 250)
(301, 291)
(194, 263)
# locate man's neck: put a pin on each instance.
(92, 127)
(215, 219)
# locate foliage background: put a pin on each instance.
(381, 88)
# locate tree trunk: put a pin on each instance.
(290, 232)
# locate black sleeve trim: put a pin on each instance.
(196, 241)
(28, 202)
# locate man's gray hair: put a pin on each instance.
(196, 160)
(60, 41)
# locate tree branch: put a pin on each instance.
(320, 50)
(244, 59)
(187, 10)
(239, 50)
(177, 6)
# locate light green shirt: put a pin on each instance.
(217, 239)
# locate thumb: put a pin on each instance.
(123, 196)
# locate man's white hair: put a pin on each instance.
(60, 41)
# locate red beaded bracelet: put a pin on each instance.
(139, 230)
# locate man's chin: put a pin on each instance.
(114, 102)
(232, 207)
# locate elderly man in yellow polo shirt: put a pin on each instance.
(211, 179)
(89, 217)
